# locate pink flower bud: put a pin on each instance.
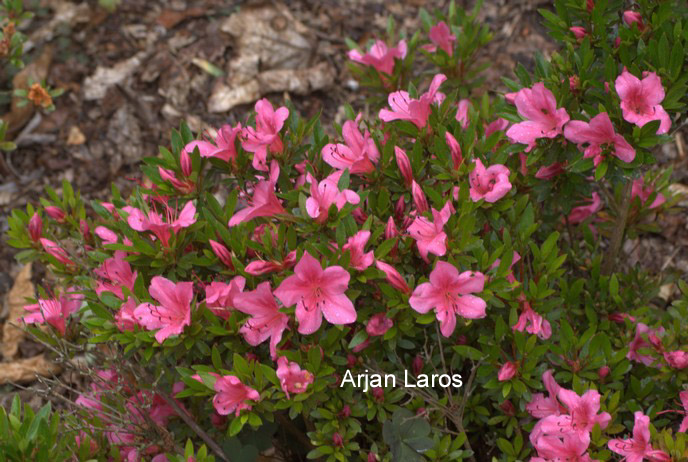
(372, 457)
(507, 371)
(454, 149)
(578, 32)
(400, 208)
(345, 412)
(391, 229)
(251, 357)
(56, 251)
(404, 165)
(218, 420)
(462, 340)
(395, 279)
(508, 408)
(378, 394)
(421, 411)
(85, 230)
(419, 198)
(417, 365)
(35, 227)
(590, 4)
(337, 440)
(359, 215)
(633, 17)
(574, 82)
(222, 253)
(603, 372)
(617, 44)
(350, 360)
(361, 346)
(185, 163)
(55, 213)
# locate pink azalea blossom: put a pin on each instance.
(507, 372)
(160, 227)
(378, 325)
(677, 359)
(327, 193)
(416, 111)
(224, 147)
(582, 413)
(266, 321)
(380, 56)
(395, 279)
(317, 292)
(220, 297)
(449, 294)
(578, 32)
(641, 100)
(684, 402)
(115, 273)
(184, 186)
(642, 332)
(597, 133)
(490, 183)
(642, 192)
(515, 258)
(462, 112)
(107, 235)
(570, 447)
(496, 126)
(125, 318)
(265, 136)
(638, 448)
(356, 245)
(56, 251)
(292, 378)
(543, 120)
(541, 406)
(232, 395)
(429, 235)
(264, 203)
(533, 323)
(440, 35)
(174, 312)
(580, 213)
(359, 153)
(54, 311)
(633, 17)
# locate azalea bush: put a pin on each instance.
(461, 246)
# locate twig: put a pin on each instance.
(619, 230)
(458, 420)
(291, 428)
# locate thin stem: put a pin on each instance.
(619, 230)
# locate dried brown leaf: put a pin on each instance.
(16, 299)
(26, 370)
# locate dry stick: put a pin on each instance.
(458, 420)
(619, 230)
(291, 428)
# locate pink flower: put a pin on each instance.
(315, 292)
(507, 371)
(115, 273)
(490, 183)
(358, 154)
(418, 196)
(580, 213)
(56, 251)
(404, 165)
(533, 323)
(677, 359)
(107, 235)
(355, 245)
(550, 171)
(154, 222)
(54, 311)
(570, 447)
(291, 377)
(462, 112)
(327, 193)
(175, 312)
(378, 325)
(35, 227)
(684, 401)
(638, 447)
(184, 186)
(380, 57)
(454, 150)
(449, 293)
(582, 413)
(440, 35)
(496, 126)
(642, 331)
(224, 147)
(231, 395)
(543, 120)
(395, 279)
(578, 32)
(640, 99)
(416, 111)
(598, 132)
(642, 192)
(266, 134)
(541, 406)
(266, 322)
(633, 17)
(264, 203)
(220, 298)
(429, 235)
(222, 253)
(125, 319)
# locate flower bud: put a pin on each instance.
(372, 457)
(350, 360)
(462, 340)
(454, 149)
(400, 208)
(185, 163)
(218, 420)
(417, 365)
(345, 412)
(55, 213)
(508, 408)
(378, 394)
(590, 4)
(603, 372)
(574, 83)
(578, 32)
(633, 17)
(337, 440)
(419, 199)
(421, 411)
(251, 357)
(507, 371)
(617, 44)
(404, 165)
(85, 230)
(35, 227)
(359, 215)
(222, 253)
(361, 346)
(391, 229)
(395, 279)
